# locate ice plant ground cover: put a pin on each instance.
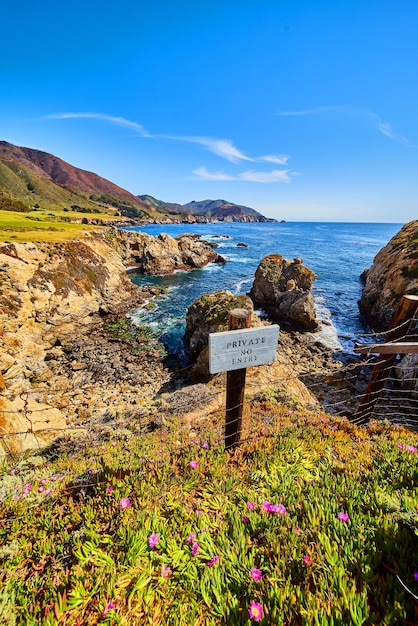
(312, 522)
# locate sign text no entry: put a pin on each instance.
(238, 349)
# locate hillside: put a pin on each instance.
(208, 210)
(32, 179)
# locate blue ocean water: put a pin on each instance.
(337, 252)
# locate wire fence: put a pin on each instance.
(336, 390)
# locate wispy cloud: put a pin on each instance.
(204, 174)
(383, 127)
(222, 147)
(120, 121)
(312, 111)
(275, 176)
(275, 158)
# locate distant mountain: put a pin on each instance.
(209, 210)
(31, 178)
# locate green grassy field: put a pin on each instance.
(43, 225)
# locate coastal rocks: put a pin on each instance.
(394, 273)
(283, 289)
(162, 254)
(60, 346)
(296, 351)
(209, 314)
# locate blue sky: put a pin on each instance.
(303, 110)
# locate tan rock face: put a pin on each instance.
(162, 254)
(394, 273)
(283, 289)
(52, 299)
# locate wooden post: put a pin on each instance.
(399, 327)
(235, 384)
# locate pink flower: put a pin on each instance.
(213, 561)
(109, 606)
(103, 447)
(307, 560)
(245, 520)
(27, 487)
(41, 488)
(205, 445)
(43, 481)
(109, 490)
(193, 464)
(255, 574)
(266, 506)
(114, 443)
(400, 446)
(411, 448)
(344, 517)
(47, 492)
(166, 571)
(255, 611)
(250, 506)
(296, 530)
(153, 540)
(199, 512)
(125, 503)
(195, 548)
(278, 508)
(190, 539)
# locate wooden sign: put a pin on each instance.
(239, 349)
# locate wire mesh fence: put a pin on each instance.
(335, 390)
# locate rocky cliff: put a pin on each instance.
(283, 289)
(62, 355)
(394, 273)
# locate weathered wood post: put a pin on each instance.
(399, 327)
(233, 351)
(235, 384)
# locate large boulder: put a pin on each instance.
(209, 314)
(394, 273)
(283, 289)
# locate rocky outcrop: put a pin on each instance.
(209, 314)
(394, 273)
(63, 357)
(162, 254)
(283, 289)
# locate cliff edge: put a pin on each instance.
(62, 354)
(394, 273)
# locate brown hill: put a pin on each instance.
(64, 174)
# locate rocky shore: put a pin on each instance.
(69, 358)
(67, 355)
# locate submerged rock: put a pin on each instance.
(283, 289)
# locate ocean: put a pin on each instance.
(337, 252)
